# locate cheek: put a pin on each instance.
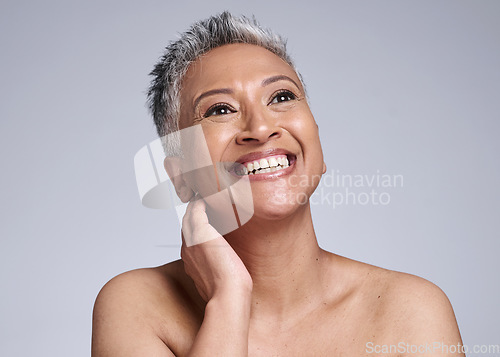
(217, 140)
(307, 133)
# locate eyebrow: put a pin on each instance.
(211, 92)
(279, 77)
(264, 83)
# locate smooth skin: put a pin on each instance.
(266, 289)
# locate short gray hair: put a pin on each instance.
(203, 36)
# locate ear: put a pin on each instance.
(173, 167)
(324, 167)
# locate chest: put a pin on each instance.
(320, 334)
(310, 339)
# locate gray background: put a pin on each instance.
(403, 87)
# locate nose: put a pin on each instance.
(258, 128)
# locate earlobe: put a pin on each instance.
(185, 193)
(324, 167)
(174, 170)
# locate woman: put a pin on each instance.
(266, 288)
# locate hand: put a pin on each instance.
(213, 265)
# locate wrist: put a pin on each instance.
(234, 288)
(231, 299)
(240, 293)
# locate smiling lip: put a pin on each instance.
(263, 154)
(258, 155)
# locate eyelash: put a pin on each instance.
(211, 111)
(281, 93)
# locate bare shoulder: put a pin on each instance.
(134, 311)
(423, 311)
(405, 307)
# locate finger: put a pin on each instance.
(187, 226)
(183, 254)
(198, 214)
(183, 240)
(195, 224)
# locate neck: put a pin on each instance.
(284, 260)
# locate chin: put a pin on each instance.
(277, 207)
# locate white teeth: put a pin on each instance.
(264, 165)
(262, 171)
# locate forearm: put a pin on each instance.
(224, 331)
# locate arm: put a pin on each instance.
(439, 326)
(223, 281)
(126, 310)
(224, 331)
(121, 324)
(426, 318)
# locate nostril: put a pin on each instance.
(258, 136)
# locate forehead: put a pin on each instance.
(233, 65)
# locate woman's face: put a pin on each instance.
(253, 112)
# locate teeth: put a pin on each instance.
(264, 164)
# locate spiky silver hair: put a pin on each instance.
(202, 36)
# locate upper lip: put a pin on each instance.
(257, 155)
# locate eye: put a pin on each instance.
(282, 96)
(219, 109)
